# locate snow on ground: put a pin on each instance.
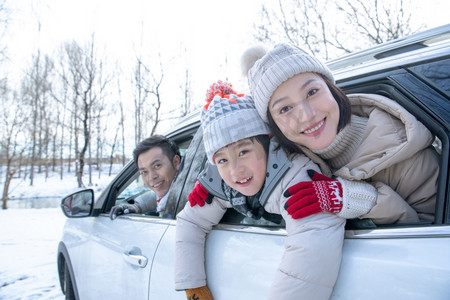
(28, 244)
(30, 231)
(53, 187)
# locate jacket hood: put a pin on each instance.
(392, 135)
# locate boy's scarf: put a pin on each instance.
(249, 206)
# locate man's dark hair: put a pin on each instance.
(169, 148)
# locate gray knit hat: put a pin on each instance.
(274, 68)
(228, 119)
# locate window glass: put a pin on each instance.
(134, 191)
(135, 187)
(437, 72)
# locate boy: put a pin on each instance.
(237, 143)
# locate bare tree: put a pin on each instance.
(379, 21)
(36, 87)
(84, 78)
(186, 88)
(328, 29)
(12, 139)
(121, 124)
(4, 20)
(60, 97)
(140, 99)
(147, 99)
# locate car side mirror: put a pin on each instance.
(79, 204)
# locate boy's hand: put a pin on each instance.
(201, 293)
(199, 195)
(323, 194)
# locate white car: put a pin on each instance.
(132, 256)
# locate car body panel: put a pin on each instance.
(224, 278)
(395, 267)
(102, 268)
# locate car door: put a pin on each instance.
(118, 254)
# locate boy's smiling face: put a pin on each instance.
(243, 165)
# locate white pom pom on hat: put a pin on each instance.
(274, 68)
(250, 56)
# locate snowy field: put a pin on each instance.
(29, 234)
(28, 244)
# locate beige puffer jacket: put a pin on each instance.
(396, 155)
(308, 269)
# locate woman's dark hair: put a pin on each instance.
(345, 114)
(169, 148)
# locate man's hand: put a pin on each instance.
(121, 209)
(199, 195)
(322, 194)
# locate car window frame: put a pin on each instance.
(394, 85)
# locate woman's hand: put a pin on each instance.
(322, 194)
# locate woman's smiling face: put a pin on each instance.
(305, 111)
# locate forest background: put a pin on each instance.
(81, 82)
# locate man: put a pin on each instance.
(158, 160)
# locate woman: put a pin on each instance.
(361, 137)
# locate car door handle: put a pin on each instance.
(135, 257)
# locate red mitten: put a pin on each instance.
(199, 195)
(323, 194)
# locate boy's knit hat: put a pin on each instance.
(275, 67)
(227, 118)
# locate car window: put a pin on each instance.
(423, 91)
(133, 189)
(437, 73)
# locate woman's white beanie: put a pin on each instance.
(275, 67)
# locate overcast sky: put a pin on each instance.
(212, 32)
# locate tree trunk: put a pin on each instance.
(9, 176)
(85, 147)
(111, 157)
(122, 118)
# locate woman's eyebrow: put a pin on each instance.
(301, 88)
(308, 82)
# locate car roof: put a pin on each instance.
(397, 53)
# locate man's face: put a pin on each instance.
(157, 170)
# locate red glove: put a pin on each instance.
(199, 195)
(307, 198)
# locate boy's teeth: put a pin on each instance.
(244, 181)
